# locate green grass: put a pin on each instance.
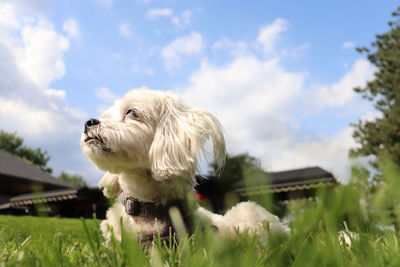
(370, 211)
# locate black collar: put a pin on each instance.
(134, 207)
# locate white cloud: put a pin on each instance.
(104, 3)
(267, 40)
(173, 53)
(262, 87)
(238, 48)
(71, 27)
(117, 56)
(125, 29)
(270, 34)
(183, 20)
(330, 152)
(295, 52)
(35, 119)
(261, 105)
(348, 45)
(159, 12)
(143, 2)
(142, 70)
(371, 115)
(38, 51)
(29, 7)
(106, 95)
(341, 92)
(252, 98)
(31, 58)
(7, 17)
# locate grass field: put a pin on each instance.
(369, 215)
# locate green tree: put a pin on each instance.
(382, 135)
(13, 144)
(75, 180)
(239, 172)
(234, 171)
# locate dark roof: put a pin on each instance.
(12, 166)
(45, 195)
(78, 202)
(51, 196)
(291, 180)
(300, 176)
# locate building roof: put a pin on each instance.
(300, 176)
(42, 197)
(12, 167)
(291, 180)
(76, 202)
(45, 195)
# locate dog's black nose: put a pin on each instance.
(91, 122)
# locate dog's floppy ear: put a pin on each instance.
(180, 138)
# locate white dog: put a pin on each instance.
(149, 144)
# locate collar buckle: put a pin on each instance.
(132, 206)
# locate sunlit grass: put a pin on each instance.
(349, 225)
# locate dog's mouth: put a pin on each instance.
(93, 140)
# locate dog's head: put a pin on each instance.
(152, 130)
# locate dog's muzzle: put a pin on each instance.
(91, 135)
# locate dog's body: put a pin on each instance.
(149, 144)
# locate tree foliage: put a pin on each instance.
(382, 135)
(13, 144)
(235, 171)
(240, 171)
(75, 180)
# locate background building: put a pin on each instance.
(27, 190)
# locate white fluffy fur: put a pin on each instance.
(151, 154)
(245, 216)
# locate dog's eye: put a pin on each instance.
(132, 113)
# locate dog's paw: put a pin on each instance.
(107, 193)
(109, 184)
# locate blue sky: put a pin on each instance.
(278, 74)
